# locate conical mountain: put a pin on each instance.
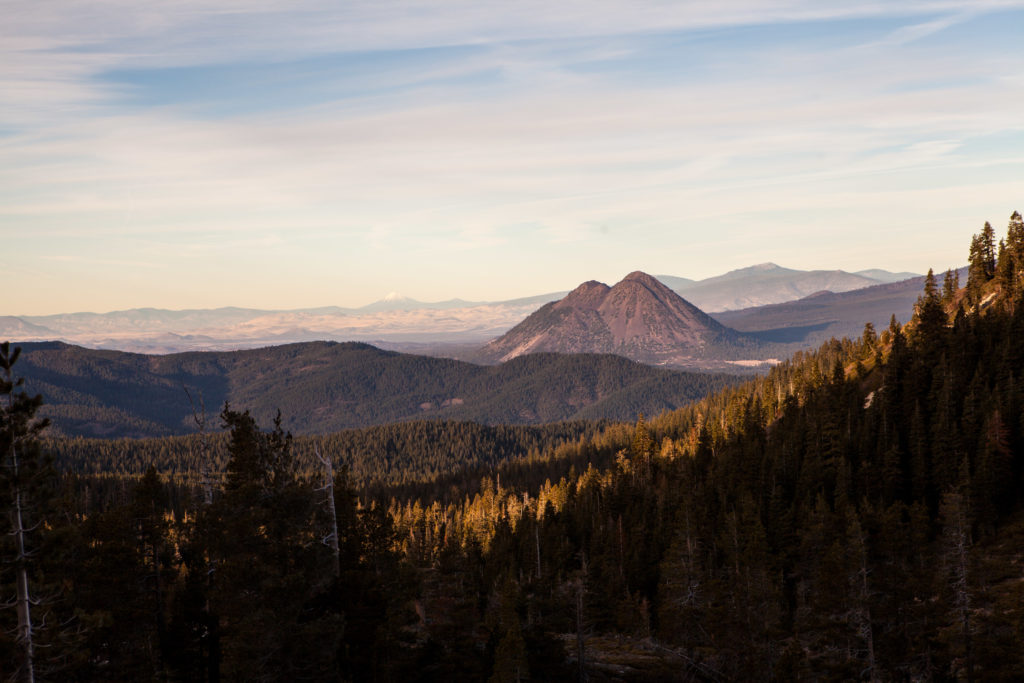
(639, 318)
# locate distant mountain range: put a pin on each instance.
(644, 320)
(639, 318)
(884, 276)
(325, 386)
(396, 302)
(148, 330)
(17, 328)
(395, 321)
(556, 364)
(768, 283)
(819, 317)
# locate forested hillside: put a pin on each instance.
(855, 514)
(398, 453)
(323, 387)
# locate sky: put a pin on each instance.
(288, 154)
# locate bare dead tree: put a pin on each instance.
(19, 427)
(23, 600)
(331, 540)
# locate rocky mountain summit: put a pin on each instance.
(639, 318)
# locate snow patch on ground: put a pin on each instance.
(754, 363)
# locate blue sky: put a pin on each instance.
(291, 154)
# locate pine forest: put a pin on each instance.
(857, 513)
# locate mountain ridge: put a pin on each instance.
(326, 386)
(769, 283)
(400, 322)
(820, 316)
(639, 318)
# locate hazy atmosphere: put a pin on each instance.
(280, 155)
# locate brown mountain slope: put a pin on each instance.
(815, 319)
(639, 318)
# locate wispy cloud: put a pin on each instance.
(93, 261)
(404, 128)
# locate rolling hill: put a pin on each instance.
(326, 386)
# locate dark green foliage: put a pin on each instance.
(1014, 254)
(323, 387)
(930, 317)
(268, 566)
(950, 286)
(981, 261)
(122, 567)
(402, 453)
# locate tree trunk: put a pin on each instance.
(23, 599)
(332, 512)
(18, 424)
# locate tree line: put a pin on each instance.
(855, 514)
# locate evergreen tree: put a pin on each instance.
(269, 566)
(981, 261)
(988, 243)
(1004, 268)
(950, 285)
(121, 566)
(930, 317)
(868, 341)
(1015, 249)
(510, 656)
(152, 528)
